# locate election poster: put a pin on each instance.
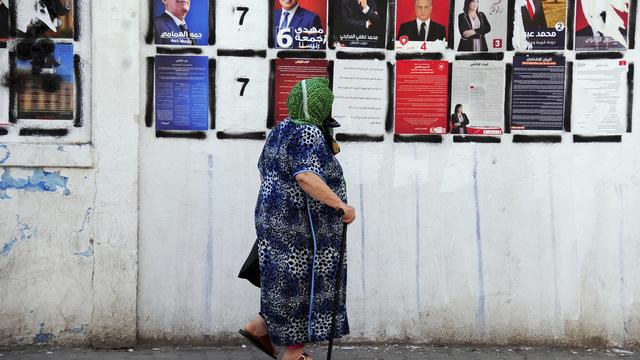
(184, 23)
(4, 90)
(4, 22)
(540, 24)
(360, 95)
(538, 92)
(299, 24)
(602, 25)
(48, 86)
(599, 97)
(421, 96)
(182, 92)
(34, 16)
(477, 98)
(422, 25)
(360, 24)
(480, 26)
(288, 73)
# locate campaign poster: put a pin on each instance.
(4, 22)
(538, 92)
(602, 25)
(360, 23)
(360, 95)
(477, 98)
(4, 90)
(181, 22)
(421, 96)
(34, 16)
(182, 92)
(480, 26)
(48, 89)
(300, 24)
(422, 25)
(288, 73)
(599, 97)
(540, 25)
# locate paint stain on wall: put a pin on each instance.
(5, 154)
(39, 181)
(42, 337)
(24, 232)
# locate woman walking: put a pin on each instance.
(299, 229)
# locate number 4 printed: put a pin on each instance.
(424, 46)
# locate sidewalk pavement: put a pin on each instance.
(386, 352)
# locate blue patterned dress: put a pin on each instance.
(299, 238)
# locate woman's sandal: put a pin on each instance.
(304, 356)
(263, 342)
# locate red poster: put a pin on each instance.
(421, 96)
(288, 73)
(300, 24)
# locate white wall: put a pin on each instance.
(483, 243)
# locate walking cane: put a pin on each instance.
(336, 296)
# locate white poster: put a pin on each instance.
(599, 103)
(477, 97)
(242, 24)
(480, 26)
(360, 89)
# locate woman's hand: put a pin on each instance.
(349, 213)
(468, 33)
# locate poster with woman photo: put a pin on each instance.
(480, 26)
(540, 24)
(477, 93)
(180, 22)
(360, 23)
(299, 24)
(602, 25)
(422, 25)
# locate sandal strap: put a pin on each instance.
(303, 356)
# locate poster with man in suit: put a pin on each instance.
(422, 25)
(602, 25)
(300, 24)
(540, 24)
(181, 22)
(360, 23)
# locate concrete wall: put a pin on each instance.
(475, 243)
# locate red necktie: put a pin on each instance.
(530, 9)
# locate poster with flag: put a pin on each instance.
(602, 25)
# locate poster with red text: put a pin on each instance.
(421, 96)
(288, 73)
(299, 24)
(422, 25)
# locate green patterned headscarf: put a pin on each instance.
(310, 102)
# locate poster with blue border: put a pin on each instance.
(182, 92)
(181, 22)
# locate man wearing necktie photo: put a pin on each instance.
(533, 17)
(422, 28)
(295, 27)
(170, 27)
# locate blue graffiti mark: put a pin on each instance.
(209, 275)
(4, 153)
(81, 329)
(42, 337)
(362, 240)
(60, 148)
(39, 181)
(481, 293)
(85, 221)
(6, 248)
(86, 253)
